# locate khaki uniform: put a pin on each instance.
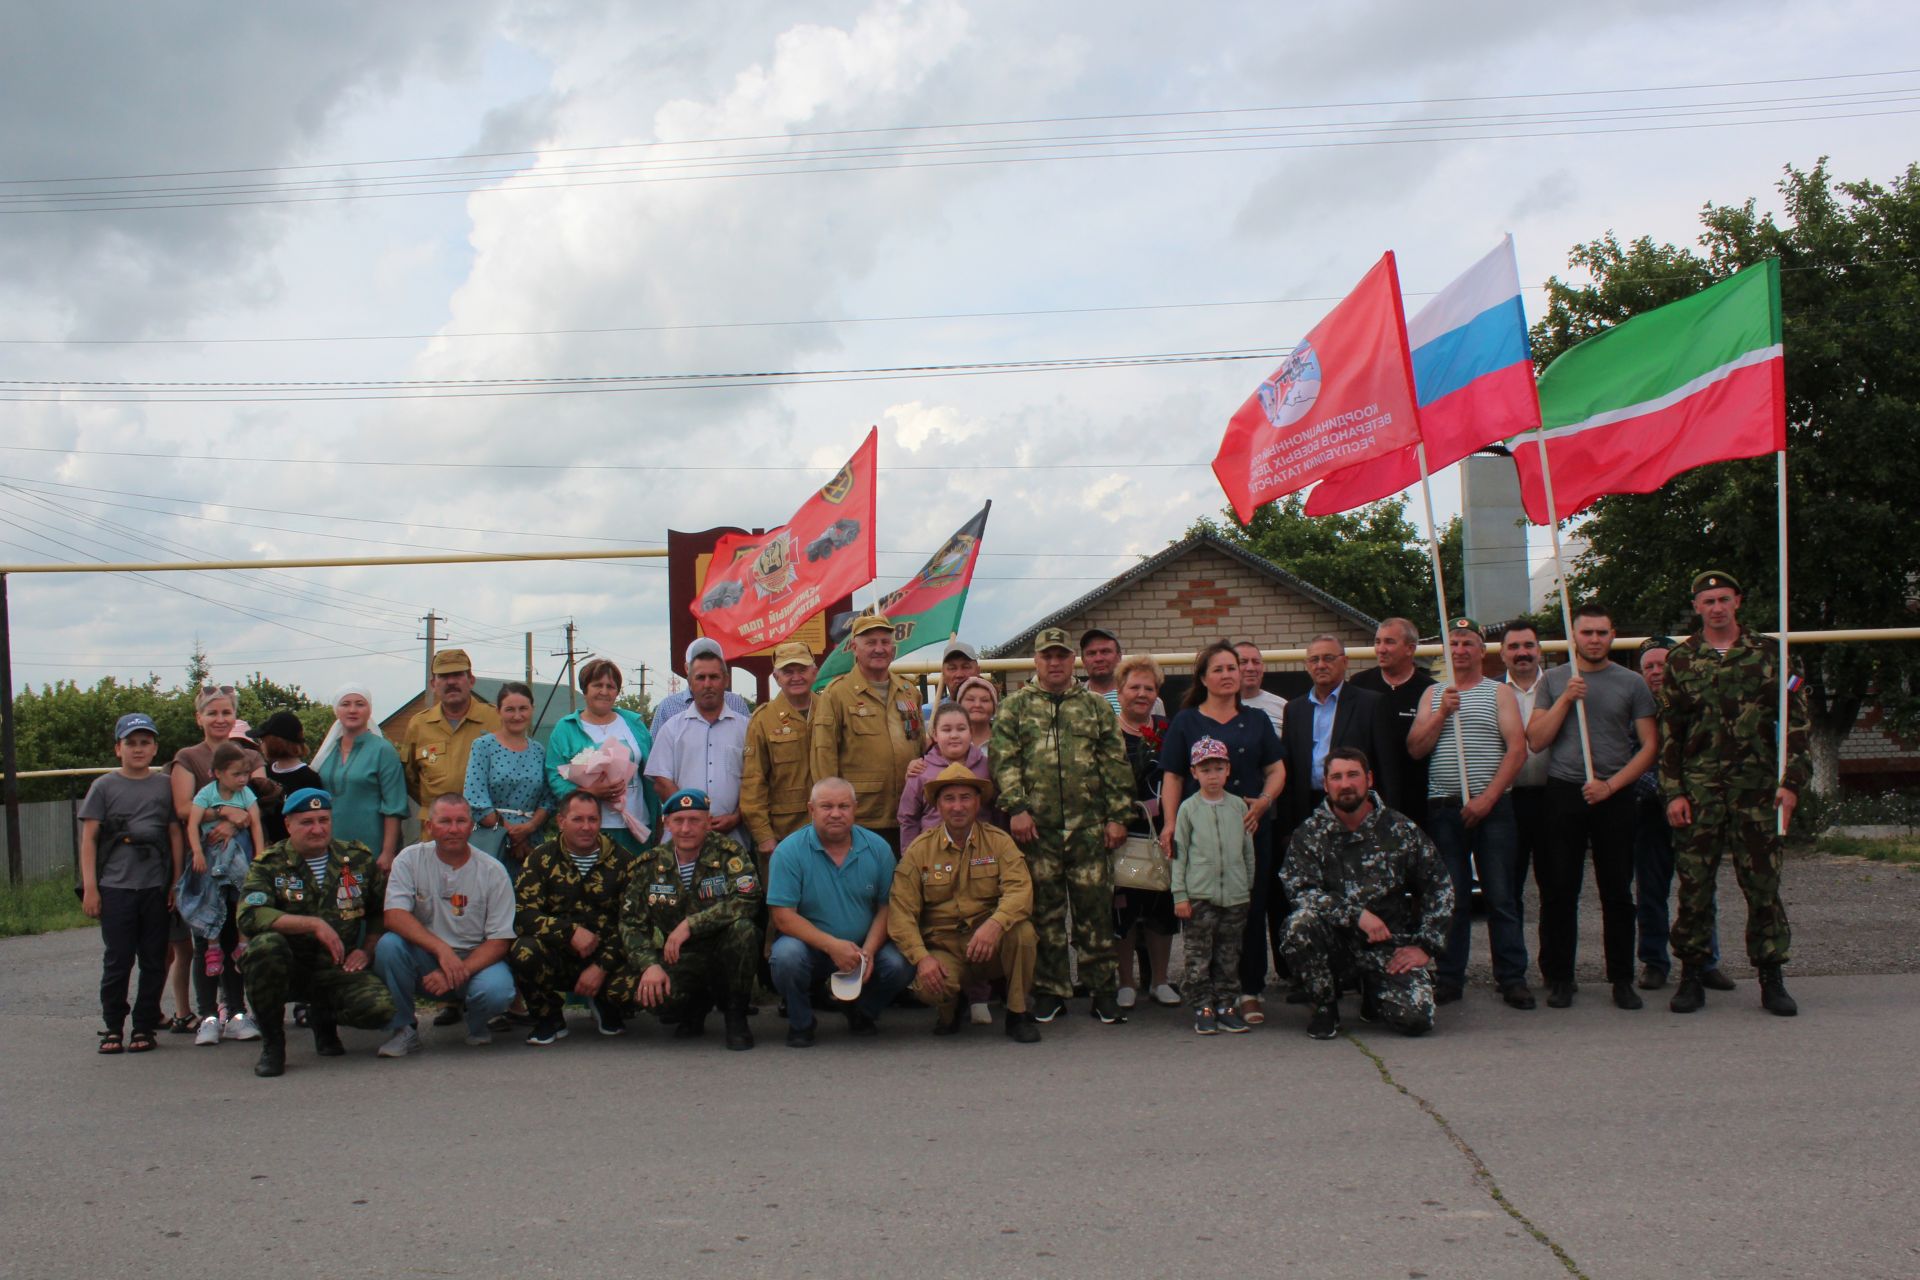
(777, 773)
(854, 739)
(434, 756)
(943, 892)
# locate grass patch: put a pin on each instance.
(1905, 852)
(41, 906)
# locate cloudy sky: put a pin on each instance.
(426, 196)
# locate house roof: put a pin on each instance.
(1017, 646)
(550, 705)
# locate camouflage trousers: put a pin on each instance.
(1073, 871)
(282, 968)
(1739, 825)
(712, 972)
(1211, 944)
(545, 970)
(1325, 955)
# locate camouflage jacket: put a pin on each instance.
(1719, 718)
(351, 896)
(1387, 866)
(726, 888)
(553, 897)
(1058, 757)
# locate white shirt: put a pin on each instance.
(692, 751)
(1273, 704)
(1534, 772)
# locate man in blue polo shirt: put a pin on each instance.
(828, 886)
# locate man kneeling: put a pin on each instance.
(690, 926)
(1373, 901)
(961, 898)
(570, 893)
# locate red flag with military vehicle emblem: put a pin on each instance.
(761, 588)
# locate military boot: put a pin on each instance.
(326, 1034)
(273, 1043)
(1689, 996)
(739, 1034)
(1773, 993)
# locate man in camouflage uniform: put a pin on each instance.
(1719, 730)
(311, 912)
(1067, 789)
(568, 920)
(689, 924)
(1373, 900)
(866, 727)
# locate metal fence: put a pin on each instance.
(49, 839)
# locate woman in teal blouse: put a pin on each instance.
(600, 720)
(362, 773)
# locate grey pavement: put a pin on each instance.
(1588, 1141)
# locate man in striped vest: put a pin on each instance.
(1471, 820)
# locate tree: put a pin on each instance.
(641, 704)
(1850, 292)
(1373, 557)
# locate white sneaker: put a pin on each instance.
(240, 1027)
(401, 1043)
(1166, 995)
(481, 1038)
(980, 1014)
(208, 1031)
(1126, 997)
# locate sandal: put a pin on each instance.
(141, 1042)
(110, 1042)
(1251, 1012)
(182, 1024)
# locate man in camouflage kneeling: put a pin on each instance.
(1372, 903)
(311, 913)
(569, 895)
(690, 924)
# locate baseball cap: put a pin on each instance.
(448, 661)
(1209, 749)
(1097, 633)
(704, 647)
(1051, 638)
(962, 648)
(283, 725)
(870, 622)
(133, 722)
(846, 986)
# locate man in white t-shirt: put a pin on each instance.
(449, 919)
(1253, 672)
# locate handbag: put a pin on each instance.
(1139, 864)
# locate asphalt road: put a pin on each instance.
(1586, 1142)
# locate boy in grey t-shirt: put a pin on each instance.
(449, 918)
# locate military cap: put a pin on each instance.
(307, 800)
(448, 661)
(687, 800)
(1466, 624)
(1051, 638)
(1713, 579)
(870, 622)
(792, 654)
(1651, 643)
(956, 775)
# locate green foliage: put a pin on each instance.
(39, 907)
(1905, 852)
(1373, 558)
(640, 703)
(1850, 284)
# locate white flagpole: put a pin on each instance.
(1786, 671)
(1566, 606)
(1440, 592)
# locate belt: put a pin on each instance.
(1444, 802)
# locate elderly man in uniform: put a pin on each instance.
(1067, 789)
(310, 912)
(1719, 755)
(702, 748)
(680, 699)
(1372, 904)
(961, 898)
(690, 924)
(867, 728)
(434, 750)
(779, 771)
(568, 898)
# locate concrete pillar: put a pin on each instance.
(1494, 539)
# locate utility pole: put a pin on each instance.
(16, 868)
(568, 653)
(643, 680)
(432, 619)
(529, 659)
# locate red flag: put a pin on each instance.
(760, 588)
(1344, 396)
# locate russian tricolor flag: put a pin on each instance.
(1473, 374)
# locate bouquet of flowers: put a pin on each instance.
(598, 769)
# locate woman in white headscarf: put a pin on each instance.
(362, 773)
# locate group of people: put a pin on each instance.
(856, 846)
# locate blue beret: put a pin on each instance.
(306, 800)
(688, 800)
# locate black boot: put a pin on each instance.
(1689, 996)
(326, 1034)
(1773, 993)
(739, 1033)
(273, 1043)
(1022, 1029)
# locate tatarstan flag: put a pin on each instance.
(926, 610)
(1697, 381)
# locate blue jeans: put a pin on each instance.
(799, 970)
(1495, 846)
(401, 965)
(1653, 885)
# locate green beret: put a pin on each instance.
(1465, 624)
(1714, 579)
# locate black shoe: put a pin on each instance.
(1047, 1007)
(859, 1024)
(1690, 996)
(739, 1033)
(1714, 980)
(692, 1025)
(448, 1015)
(799, 1037)
(1369, 1007)
(1625, 997)
(1446, 993)
(1773, 993)
(326, 1036)
(1107, 1009)
(273, 1047)
(1519, 995)
(1021, 1028)
(547, 1030)
(1325, 1023)
(947, 1021)
(300, 1015)
(608, 1018)
(1652, 979)
(1560, 994)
